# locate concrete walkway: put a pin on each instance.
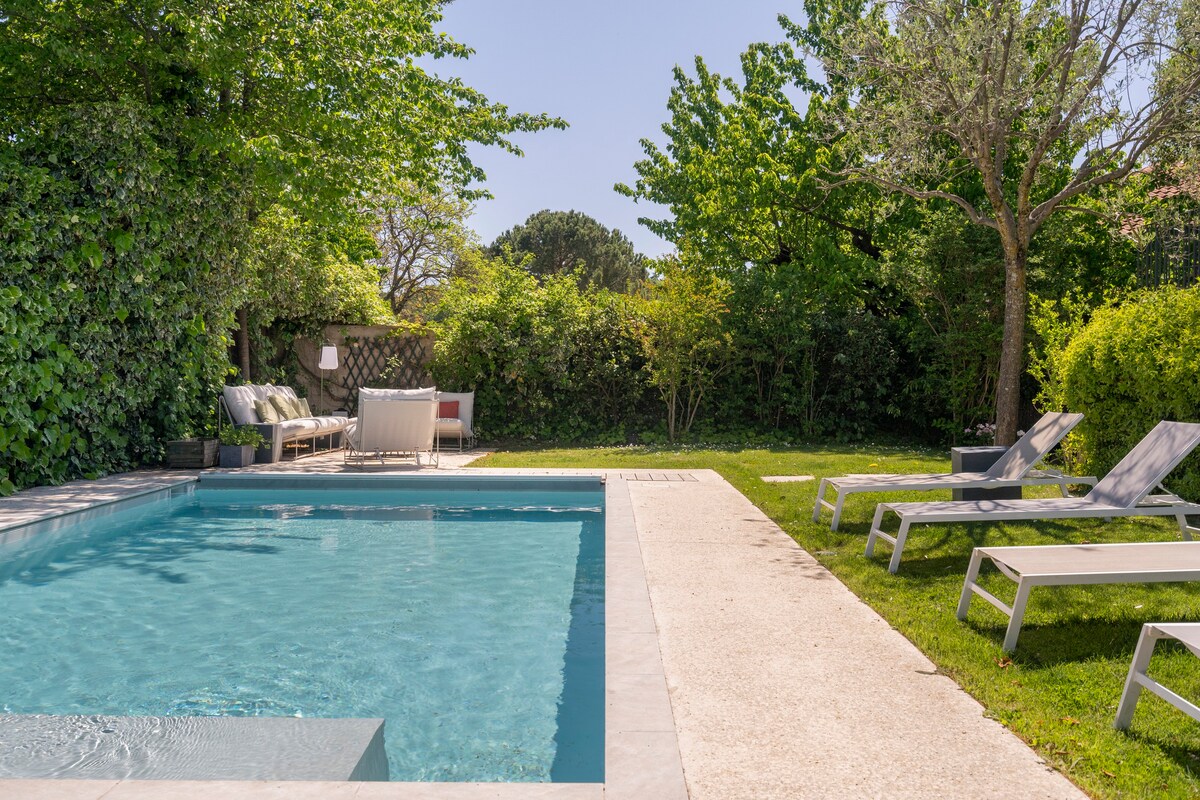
(785, 685)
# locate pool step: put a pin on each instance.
(191, 748)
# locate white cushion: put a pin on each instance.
(397, 394)
(295, 428)
(445, 425)
(240, 402)
(312, 426)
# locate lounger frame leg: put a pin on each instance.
(898, 546)
(1133, 683)
(820, 499)
(876, 530)
(964, 601)
(896, 541)
(835, 507)
(837, 511)
(1185, 531)
(1018, 614)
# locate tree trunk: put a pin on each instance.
(243, 343)
(1012, 352)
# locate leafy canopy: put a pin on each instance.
(323, 98)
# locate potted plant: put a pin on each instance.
(238, 445)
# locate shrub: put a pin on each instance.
(545, 359)
(1127, 368)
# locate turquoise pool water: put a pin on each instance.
(472, 622)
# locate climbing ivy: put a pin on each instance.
(117, 285)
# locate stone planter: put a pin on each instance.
(237, 455)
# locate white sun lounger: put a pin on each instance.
(1014, 468)
(1186, 632)
(1075, 564)
(1124, 492)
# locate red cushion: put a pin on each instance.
(448, 409)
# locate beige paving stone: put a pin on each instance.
(648, 762)
(632, 654)
(637, 703)
(785, 685)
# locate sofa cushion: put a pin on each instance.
(445, 425)
(292, 429)
(305, 411)
(297, 428)
(448, 409)
(287, 407)
(266, 412)
(240, 402)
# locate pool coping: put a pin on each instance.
(642, 756)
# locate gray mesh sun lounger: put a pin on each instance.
(1186, 632)
(1124, 492)
(1014, 468)
(1073, 565)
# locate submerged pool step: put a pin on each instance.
(192, 748)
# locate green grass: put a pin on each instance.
(1059, 690)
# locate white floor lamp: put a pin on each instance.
(328, 361)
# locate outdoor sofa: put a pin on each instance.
(302, 435)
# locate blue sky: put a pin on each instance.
(605, 67)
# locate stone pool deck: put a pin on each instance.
(781, 683)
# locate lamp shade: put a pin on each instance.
(329, 357)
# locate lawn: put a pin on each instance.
(1059, 690)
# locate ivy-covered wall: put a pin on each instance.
(117, 288)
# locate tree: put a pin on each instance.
(742, 173)
(686, 345)
(1031, 100)
(420, 243)
(565, 242)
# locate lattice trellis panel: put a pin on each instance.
(388, 362)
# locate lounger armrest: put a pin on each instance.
(272, 449)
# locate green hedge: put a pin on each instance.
(1129, 367)
(545, 359)
(117, 257)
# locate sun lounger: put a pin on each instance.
(1186, 632)
(1014, 468)
(1124, 492)
(1074, 564)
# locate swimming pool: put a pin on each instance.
(472, 620)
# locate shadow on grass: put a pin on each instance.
(1186, 757)
(1073, 638)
